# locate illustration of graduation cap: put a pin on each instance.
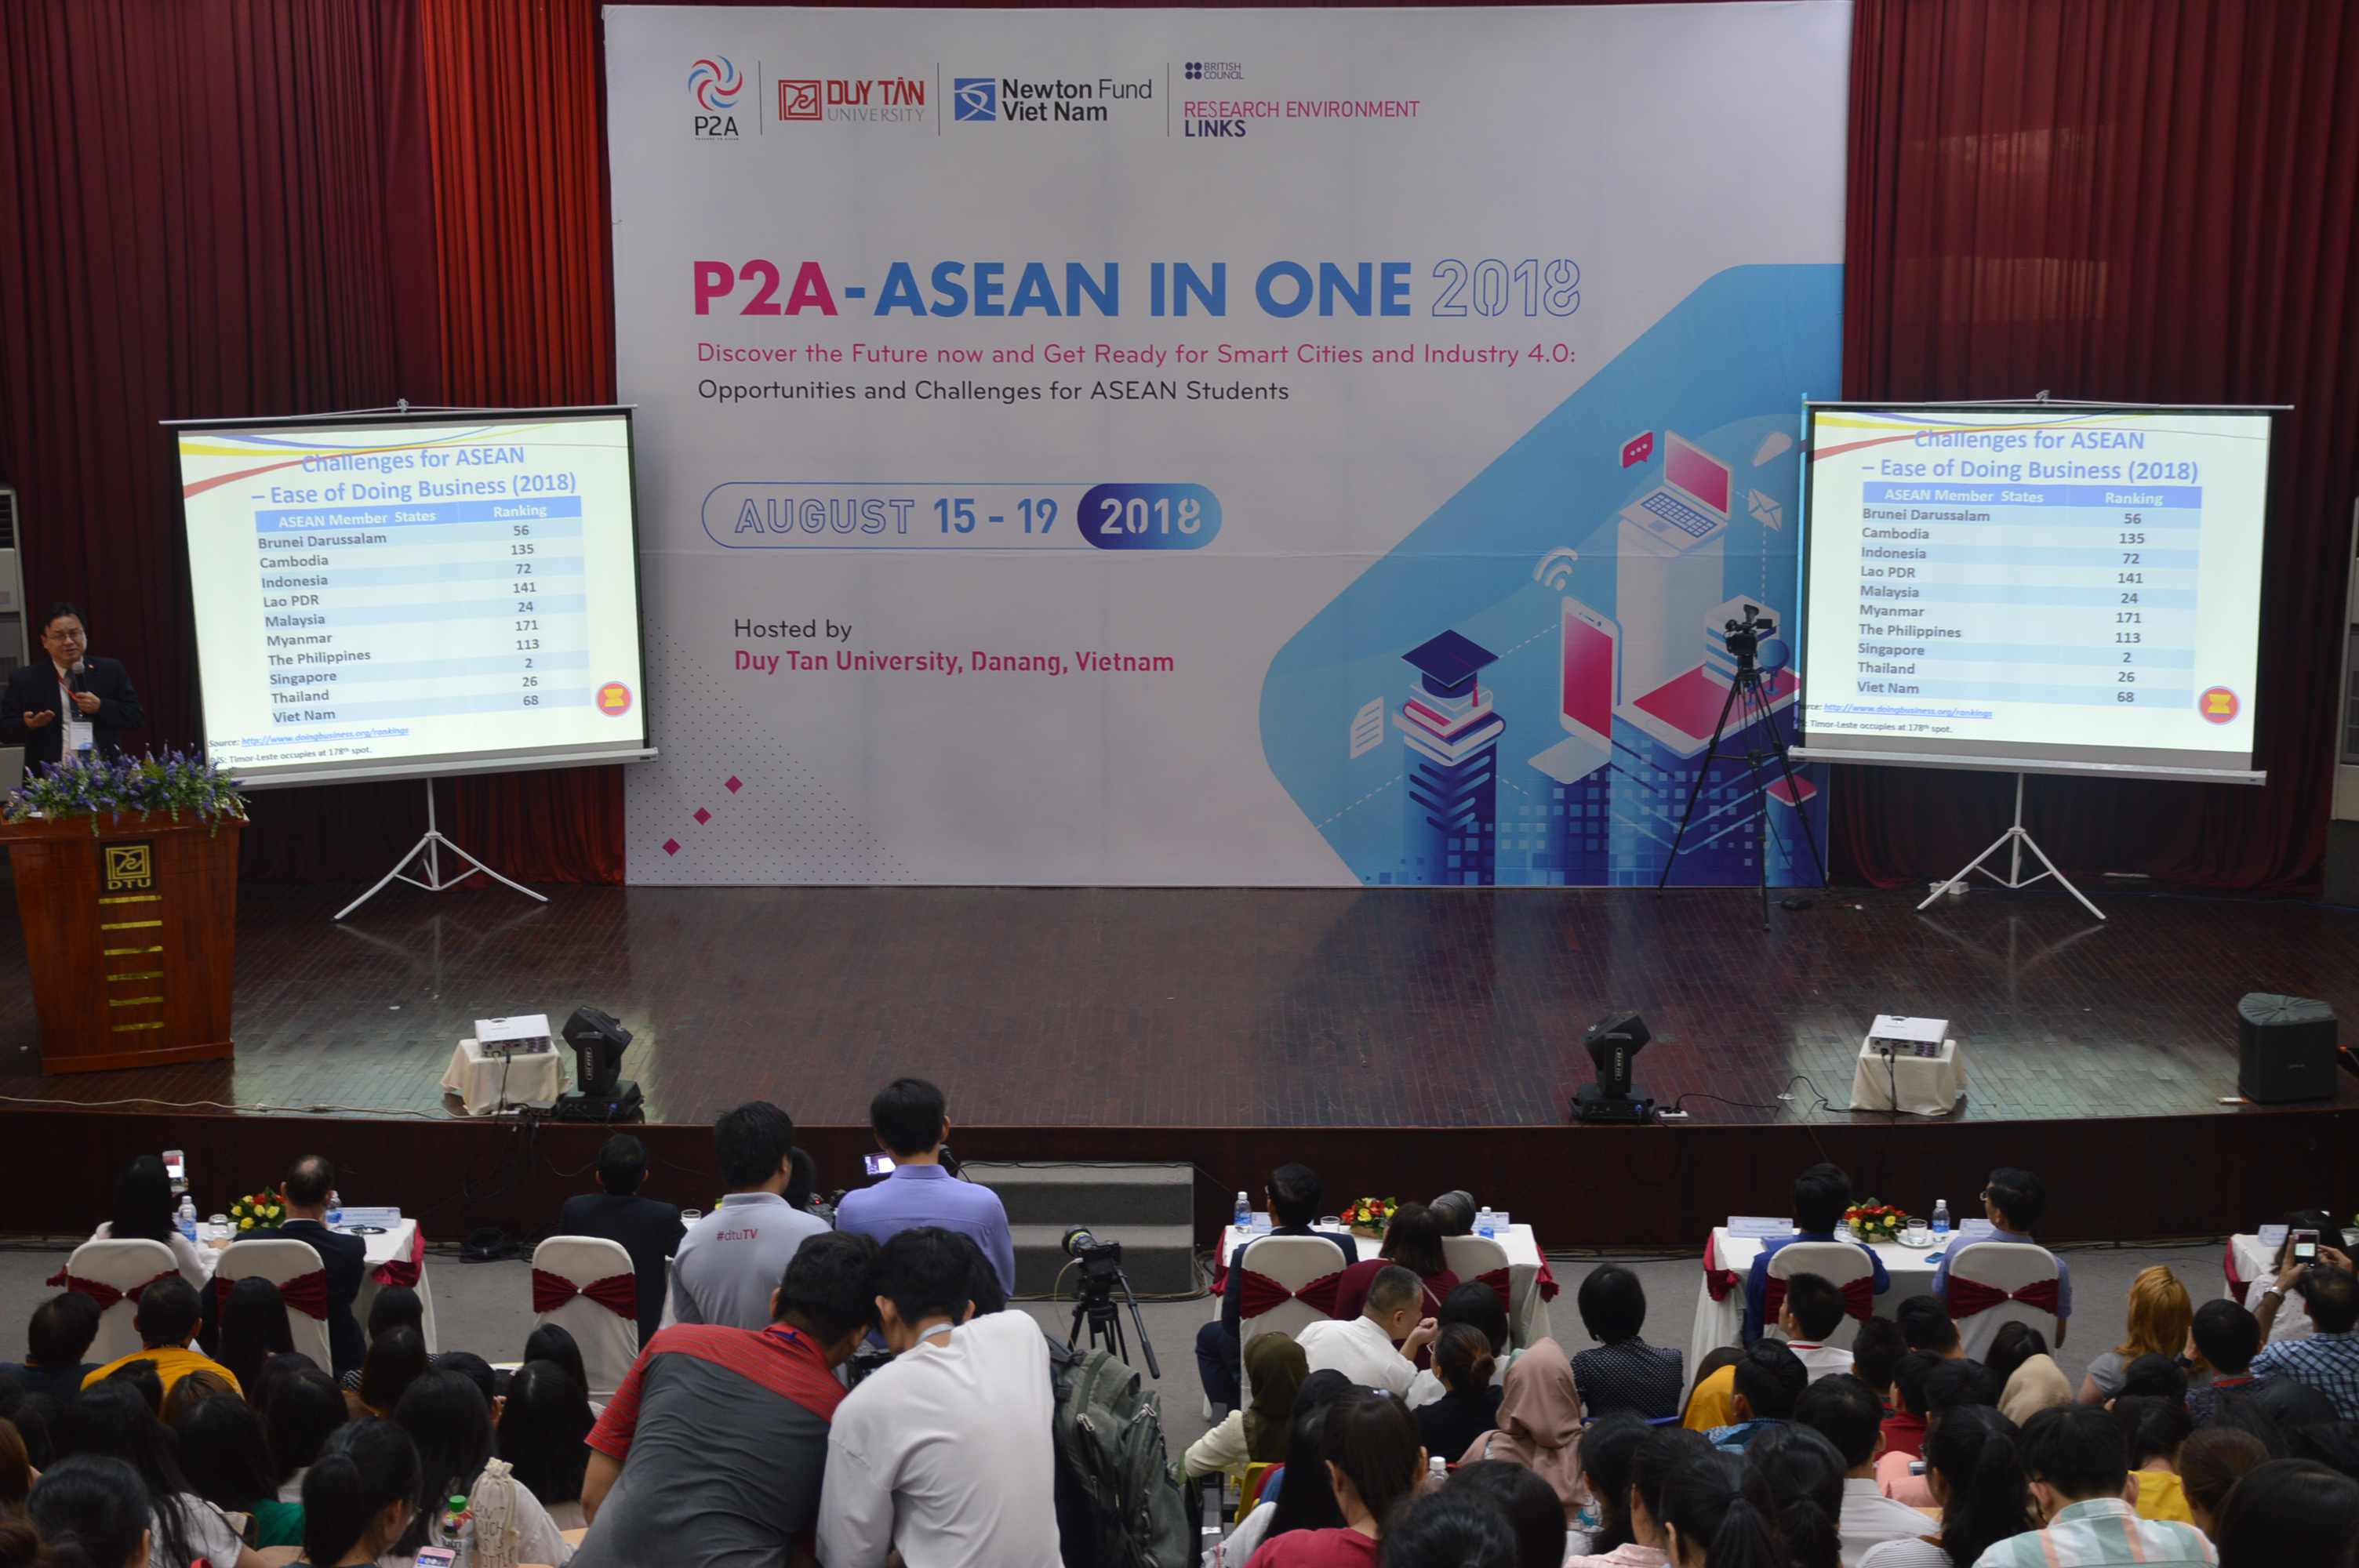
(1449, 664)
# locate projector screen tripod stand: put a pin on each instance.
(2015, 841)
(432, 847)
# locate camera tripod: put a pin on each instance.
(1096, 1303)
(1746, 689)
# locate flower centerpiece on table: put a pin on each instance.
(176, 783)
(1368, 1217)
(1873, 1221)
(263, 1210)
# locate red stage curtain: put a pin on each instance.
(2135, 199)
(513, 99)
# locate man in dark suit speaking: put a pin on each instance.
(67, 701)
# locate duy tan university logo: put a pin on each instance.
(130, 866)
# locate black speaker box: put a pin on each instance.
(2285, 1049)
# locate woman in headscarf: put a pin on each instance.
(1539, 1424)
(2036, 1385)
(1255, 1435)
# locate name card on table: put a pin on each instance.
(2272, 1235)
(387, 1218)
(1977, 1229)
(1757, 1226)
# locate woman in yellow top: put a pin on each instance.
(2154, 1428)
(2159, 1316)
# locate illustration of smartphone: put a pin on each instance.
(879, 1164)
(2305, 1246)
(1590, 685)
(176, 1166)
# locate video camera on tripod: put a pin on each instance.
(1101, 1266)
(1745, 636)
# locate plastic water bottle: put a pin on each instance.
(1941, 1219)
(335, 1209)
(1486, 1222)
(1244, 1212)
(188, 1220)
(1437, 1471)
(456, 1532)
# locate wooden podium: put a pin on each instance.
(131, 933)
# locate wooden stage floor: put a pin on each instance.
(1241, 1009)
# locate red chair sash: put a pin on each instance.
(405, 1271)
(306, 1293)
(1968, 1297)
(1547, 1281)
(1257, 1293)
(1497, 1279)
(1716, 1280)
(619, 1293)
(1859, 1298)
(98, 1291)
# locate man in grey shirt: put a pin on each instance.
(731, 1261)
(713, 1452)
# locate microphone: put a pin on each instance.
(74, 676)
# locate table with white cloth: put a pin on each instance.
(489, 1085)
(1530, 1285)
(1925, 1085)
(1727, 1260)
(395, 1255)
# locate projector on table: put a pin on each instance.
(1906, 1036)
(525, 1034)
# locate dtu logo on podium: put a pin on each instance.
(130, 866)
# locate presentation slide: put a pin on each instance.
(379, 597)
(2043, 588)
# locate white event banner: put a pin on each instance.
(1281, 448)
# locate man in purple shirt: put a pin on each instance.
(1821, 1195)
(912, 1122)
(2014, 1201)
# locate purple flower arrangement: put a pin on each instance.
(94, 786)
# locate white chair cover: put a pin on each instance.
(280, 1260)
(125, 1266)
(1293, 1261)
(1837, 1262)
(1472, 1257)
(2006, 1266)
(609, 1340)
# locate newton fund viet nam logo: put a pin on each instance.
(975, 98)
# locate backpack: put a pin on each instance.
(1109, 1439)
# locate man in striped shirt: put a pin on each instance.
(2080, 1480)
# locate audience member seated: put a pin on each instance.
(225, 1455)
(2079, 1468)
(1764, 1384)
(1928, 1387)
(1451, 1530)
(393, 1306)
(2036, 1385)
(1662, 1452)
(1709, 1402)
(254, 1328)
(1374, 1462)
(1413, 1241)
(89, 1512)
(1710, 1522)
(943, 1454)
(1477, 1305)
(2157, 1375)
(1539, 1424)
(1973, 1472)
(1455, 1210)
(145, 1210)
(1623, 1372)
(396, 1359)
(2289, 1511)
(39, 1422)
(714, 1449)
(1256, 1434)
(2159, 1317)
(1876, 1349)
(309, 1185)
(1812, 1311)
(478, 1371)
(193, 1390)
(2328, 1360)
(1795, 1476)
(113, 1420)
(1821, 1195)
(451, 1422)
(1377, 1349)
(2333, 1443)
(2211, 1462)
(2015, 1202)
(1608, 1448)
(1845, 1411)
(358, 1499)
(2154, 1430)
(911, 1122)
(647, 1229)
(1293, 1197)
(2292, 1321)
(141, 1378)
(2225, 1338)
(1469, 1406)
(1308, 1506)
(57, 1342)
(1524, 1500)
(166, 1320)
(554, 1341)
(1925, 1322)
(730, 1262)
(543, 1424)
(303, 1411)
